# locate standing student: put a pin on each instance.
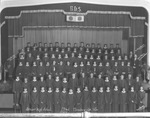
(57, 101)
(108, 100)
(123, 100)
(64, 100)
(70, 101)
(94, 103)
(115, 99)
(25, 101)
(78, 100)
(101, 100)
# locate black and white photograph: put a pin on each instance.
(74, 58)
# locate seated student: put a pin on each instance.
(78, 100)
(40, 49)
(129, 69)
(64, 100)
(57, 49)
(73, 82)
(130, 81)
(49, 81)
(105, 49)
(38, 60)
(138, 83)
(94, 100)
(99, 81)
(122, 82)
(82, 48)
(20, 70)
(112, 61)
(68, 49)
(65, 83)
(45, 58)
(26, 84)
(49, 100)
(107, 82)
(111, 50)
(42, 99)
(21, 59)
(68, 69)
(57, 100)
(125, 60)
(101, 100)
(93, 50)
(34, 100)
(132, 100)
(117, 49)
(91, 81)
(25, 100)
(51, 49)
(41, 69)
(17, 89)
(27, 70)
(66, 58)
(70, 100)
(42, 82)
(100, 68)
(28, 46)
(62, 47)
(45, 48)
(115, 99)
(99, 50)
(82, 67)
(30, 58)
(57, 82)
(123, 100)
(75, 49)
(34, 50)
(35, 83)
(86, 99)
(72, 59)
(94, 67)
(114, 81)
(87, 50)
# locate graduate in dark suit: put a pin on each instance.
(65, 83)
(100, 68)
(45, 48)
(64, 100)
(107, 82)
(115, 99)
(50, 100)
(122, 82)
(94, 67)
(129, 69)
(26, 84)
(68, 49)
(38, 60)
(21, 59)
(78, 100)
(108, 100)
(82, 67)
(73, 82)
(140, 98)
(49, 81)
(132, 100)
(57, 101)
(34, 69)
(45, 58)
(30, 58)
(91, 81)
(17, 89)
(27, 70)
(42, 82)
(130, 81)
(57, 82)
(114, 81)
(34, 100)
(117, 49)
(136, 66)
(41, 70)
(25, 101)
(20, 70)
(34, 51)
(47, 69)
(101, 100)
(71, 100)
(86, 99)
(123, 100)
(35, 83)
(137, 84)
(94, 102)
(42, 99)
(28, 46)
(99, 81)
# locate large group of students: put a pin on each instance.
(59, 78)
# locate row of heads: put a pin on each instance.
(79, 89)
(81, 44)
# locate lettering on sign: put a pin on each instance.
(75, 9)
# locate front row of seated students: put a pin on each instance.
(94, 92)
